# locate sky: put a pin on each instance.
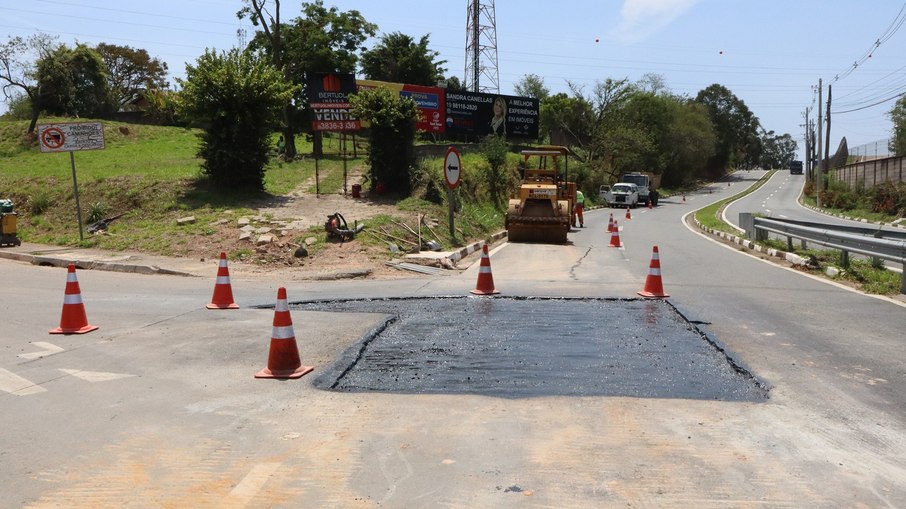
(770, 53)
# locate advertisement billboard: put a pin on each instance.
(481, 114)
(328, 95)
(429, 100)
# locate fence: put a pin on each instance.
(871, 173)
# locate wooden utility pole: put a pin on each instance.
(818, 179)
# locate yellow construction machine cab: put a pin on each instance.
(542, 209)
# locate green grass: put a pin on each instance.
(151, 173)
(710, 216)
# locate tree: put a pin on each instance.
(453, 84)
(73, 82)
(130, 72)
(18, 59)
(397, 58)
(898, 117)
(735, 126)
(391, 152)
(532, 85)
(777, 151)
(322, 40)
(236, 97)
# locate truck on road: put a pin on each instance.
(647, 184)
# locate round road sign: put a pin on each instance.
(452, 167)
(52, 138)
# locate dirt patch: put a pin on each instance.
(289, 219)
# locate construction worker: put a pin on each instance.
(580, 206)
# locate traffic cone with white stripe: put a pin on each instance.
(223, 291)
(283, 360)
(74, 320)
(610, 224)
(615, 236)
(485, 284)
(628, 215)
(654, 288)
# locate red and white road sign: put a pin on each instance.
(452, 167)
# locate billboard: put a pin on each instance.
(481, 114)
(429, 100)
(328, 97)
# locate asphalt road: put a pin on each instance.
(159, 407)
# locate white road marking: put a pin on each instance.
(95, 376)
(15, 384)
(781, 216)
(49, 349)
(252, 483)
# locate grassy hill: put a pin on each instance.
(151, 175)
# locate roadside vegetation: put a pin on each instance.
(209, 148)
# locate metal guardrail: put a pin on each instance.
(872, 242)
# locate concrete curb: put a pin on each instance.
(899, 223)
(474, 247)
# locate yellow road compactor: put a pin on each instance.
(542, 210)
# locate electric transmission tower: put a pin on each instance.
(482, 74)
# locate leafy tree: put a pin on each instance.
(653, 83)
(237, 97)
(689, 143)
(131, 72)
(453, 84)
(321, 40)
(73, 82)
(566, 119)
(735, 126)
(777, 151)
(532, 85)
(392, 135)
(495, 149)
(898, 117)
(397, 58)
(18, 71)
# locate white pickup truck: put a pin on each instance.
(620, 195)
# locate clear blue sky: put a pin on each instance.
(769, 53)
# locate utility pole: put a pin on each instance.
(808, 162)
(827, 119)
(818, 179)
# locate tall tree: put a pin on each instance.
(73, 82)
(236, 96)
(321, 40)
(898, 117)
(398, 58)
(131, 72)
(532, 85)
(391, 150)
(735, 126)
(18, 69)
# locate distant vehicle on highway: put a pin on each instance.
(795, 167)
(623, 195)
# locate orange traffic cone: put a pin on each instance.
(653, 285)
(615, 236)
(628, 215)
(650, 206)
(610, 224)
(684, 198)
(485, 284)
(283, 360)
(223, 292)
(74, 319)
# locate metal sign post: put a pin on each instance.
(70, 137)
(452, 172)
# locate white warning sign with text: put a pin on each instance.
(71, 136)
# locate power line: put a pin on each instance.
(888, 33)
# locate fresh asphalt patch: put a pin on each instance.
(529, 347)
